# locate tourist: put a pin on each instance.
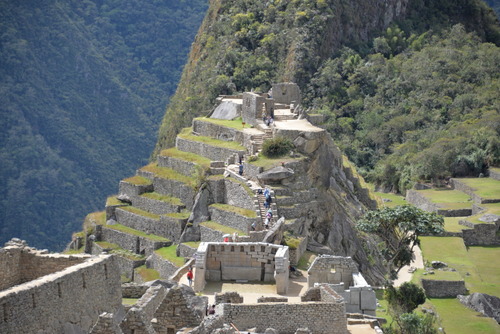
(240, 169)
(268, 201)
(270, 213)
(211, 310)
(266, 223)
(190, 276)
(253, 226)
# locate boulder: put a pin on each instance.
(483, 303)
(438, 264)
(489, 218)
(275, 175)
(227, 110)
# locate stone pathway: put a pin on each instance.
(404, 275)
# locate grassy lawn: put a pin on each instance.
(113, 201)
(169, 253)
(493, 208)
(451, 224)
(138, 233)
(129, 301)
(168, 173)
(186, 156)
(138, 180)
(94, 218)
(395, 200)
(484, 187)
(164, 198)
(382, 311)
(234, 124)
(235, 209)
(222, 228)
(445, 196)
(140, 212)
(457, 319)
(186, 134)
(147, 274)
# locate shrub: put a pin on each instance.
(276, 147)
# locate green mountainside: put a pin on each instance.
(83, 86)
(400, 83)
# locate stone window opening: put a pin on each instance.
(262, 248)
(59, 291)
(84, 284)
(242, 249)
(106, 271)
(232, 248)
(333, 270)
(221, 248)
(252, 248)
(33, 300)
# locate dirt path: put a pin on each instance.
(404, 275)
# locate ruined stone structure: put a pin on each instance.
(443, 289)
(241, 261)
(53, 293)
(343, 276)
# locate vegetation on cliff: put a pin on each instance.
(397, 96)
(83, 88)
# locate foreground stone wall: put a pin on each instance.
(319, 317)
(163, 266)
(443, 289)
(481, 235)
(67, 301)
(333, 270)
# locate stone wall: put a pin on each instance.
(161, 265)
(443, 289)
(228, 297)
(66, 301)
(133, 290)
(155, 206)
(186, 251)
(133, 243)
(319, 317)
(482, 235)
(286, 93)
(180, 166)
(333, 270)
(295, 254)
(420, 201)
(126, 265)
(213, 153)
(231, 219)
(252, 108)
(494, 173)
(172, 188)
(242, 261)
(20, 265)
(210, 235)
(236, 194)
(130, 189)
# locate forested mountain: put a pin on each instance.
(83, 87)
(495, 5)
(408, 87)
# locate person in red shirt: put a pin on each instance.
(190, 276)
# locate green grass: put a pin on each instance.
(457, 319)
(163, 198)
(445, 195)
(451, 224)
(115, 249)
(94, 218)
(234, 124)
(306, 260)
(147, 274)
(168, 173)
(186, 156)
(138, 180)
(129, 301)
(493, 208)
(192, 244)
(140, 212)
(179, 215)
(186, 134)
(291, 241)
(113, 201)
(485, 187)
(129, 230)
(244, 185)
(235, 209)
(222, 228)
(169, 253)
(383, 310)
(395, 199)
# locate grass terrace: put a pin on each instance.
(163, 198)
(243, 184)
(94, 218)
(235, 209)
(138, 180)
(222, 228)
(192, 244)
(169, 253)
(485, 187)
(306, 260)
(186, 134)
(168, 173)
(451, 224)
(114, 201)
(234, 124)
(115, 249)
(140, 212)
(186, 156)
(128, 230)
(493, 208)
(179, 215)
(447, 198)
(129, 301)
(147, 274)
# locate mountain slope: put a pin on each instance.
(82, 89)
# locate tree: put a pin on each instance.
(399, 228)
(406, 298)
